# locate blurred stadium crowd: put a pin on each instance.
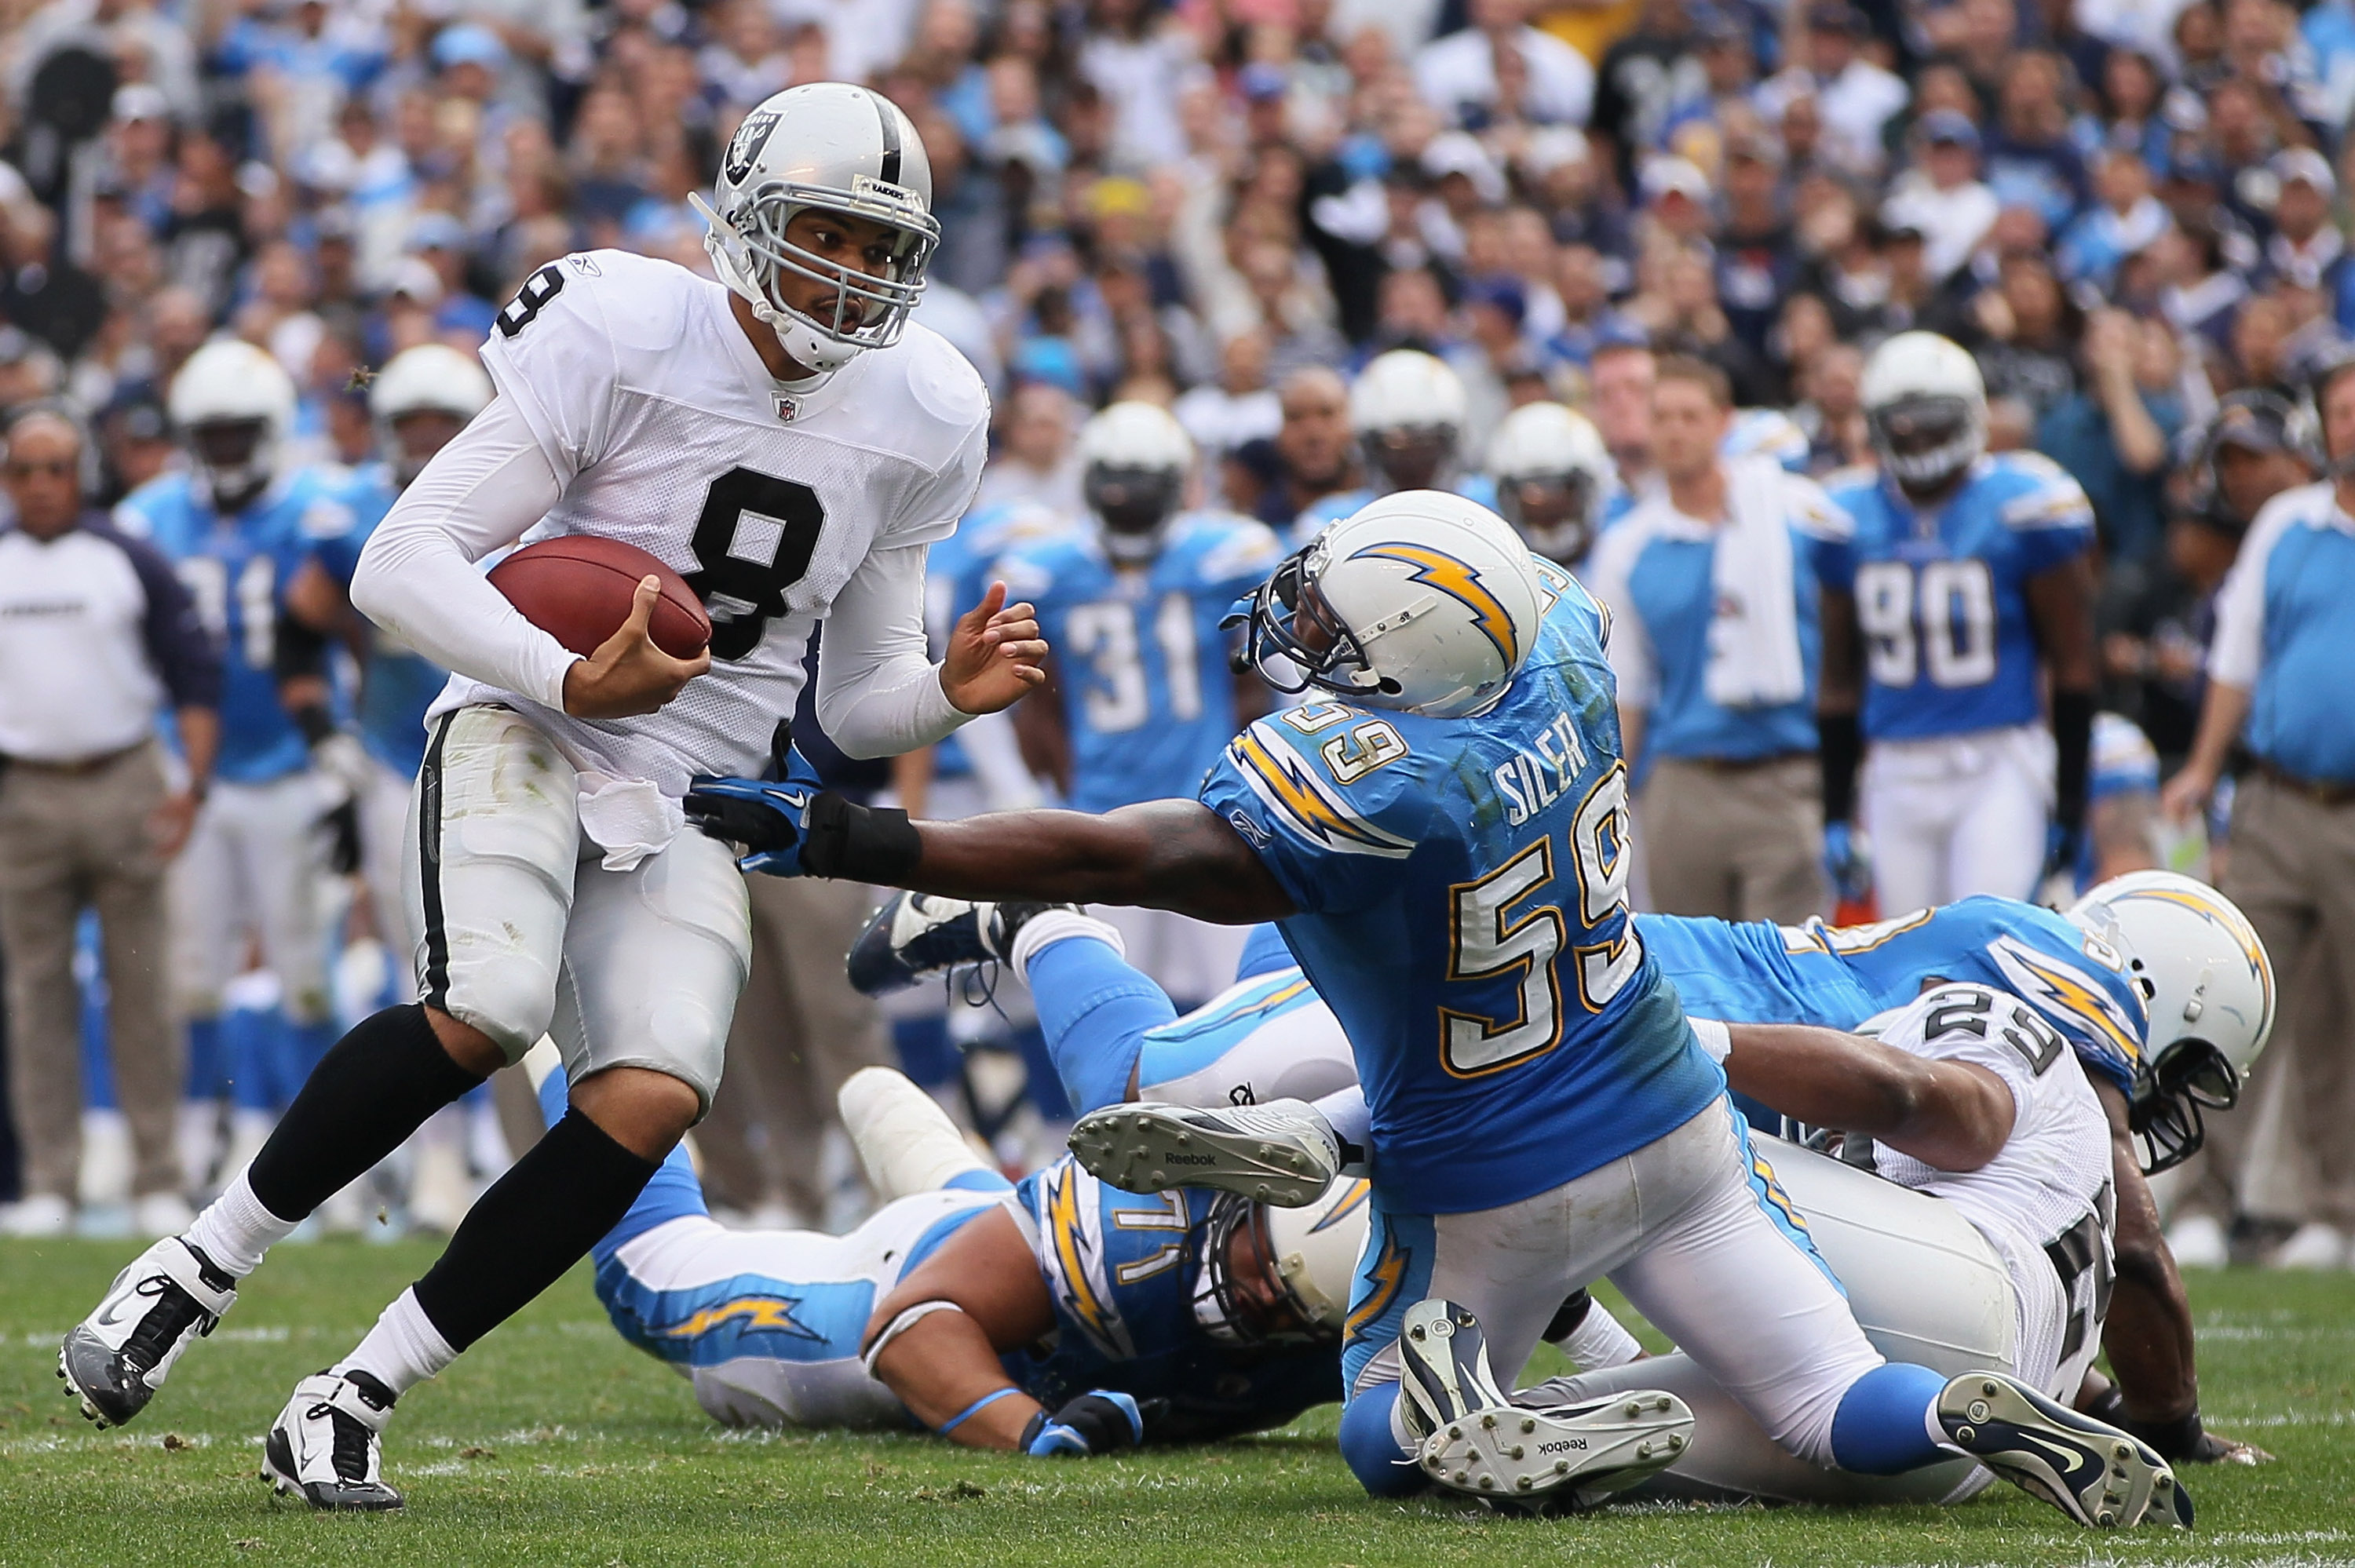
(2130, 211)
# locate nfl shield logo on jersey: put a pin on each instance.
(788, 408)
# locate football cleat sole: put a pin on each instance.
(1573, 1456)
(278, 1469)
(114, 1411)
(2097, 1475)
(1144, 1147)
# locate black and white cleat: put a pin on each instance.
(113, 1360)
(916, 935)
(2097, 1475)
(325, 1447)
(1282, 1152)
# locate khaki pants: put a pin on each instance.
(1739, 843)
(800, 1031)
(2291, 871)
(71, 840)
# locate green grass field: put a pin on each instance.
(555, 1442)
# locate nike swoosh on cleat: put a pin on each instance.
(2076, 1461)
(110, 1314)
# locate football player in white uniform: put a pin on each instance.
(789, 443)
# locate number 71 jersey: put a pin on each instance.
(1942, 597)
(669, 433)
(1463, 889)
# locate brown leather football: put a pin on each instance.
(578, 589)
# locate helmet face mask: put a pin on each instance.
(1409, 457)
(415, 437)
(233, 456)
(1134, 503)
(2191, 1076)
(850, 306)
(1925, 440)
(1241, 1294)
(1286, 619)
(1555, 511)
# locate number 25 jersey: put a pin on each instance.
(1942, 596)
(1461, 886)
(669, 433)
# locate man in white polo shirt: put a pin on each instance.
(96, 636)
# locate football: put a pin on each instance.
(578, 589)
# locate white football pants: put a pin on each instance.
(254, 868)
(1957, 814)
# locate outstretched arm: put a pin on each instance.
(1950, 1115)
(944, 1361)
(1163, 854)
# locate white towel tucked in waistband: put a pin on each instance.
(1754, 660)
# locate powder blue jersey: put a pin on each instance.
(1147, 696)
(1462, 888)
(1332, 508)
(1942, 598)
(1121, 1268)
(1839, 976)
(397, 685)
(958, 571)
(237, 569)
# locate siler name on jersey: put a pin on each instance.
(659, 414)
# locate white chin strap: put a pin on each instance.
(809, 347)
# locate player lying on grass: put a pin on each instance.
(1445, 846)
(1974, 1094)
(1052, 1316)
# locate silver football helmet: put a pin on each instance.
(1289, 1283)
(839, 148)
(1552, 475)
(1133, 460)
(1408, 408)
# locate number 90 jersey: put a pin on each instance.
(1941, 600)
(669, 434)
(1463, 888)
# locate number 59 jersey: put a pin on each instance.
(1463, 889)
(1942, 598)
(669, 433)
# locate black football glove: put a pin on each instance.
(1100, 1422)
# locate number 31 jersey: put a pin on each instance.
(670, 434)
(1463, 889)
(1942, 597)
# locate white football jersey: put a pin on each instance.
(2044, 1200)
(670, 434)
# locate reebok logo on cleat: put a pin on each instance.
(1190, 1160)
(1563, 1446)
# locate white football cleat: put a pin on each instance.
(1283, 1152)
(2090, 1470)
(325, 1447)
(1475, 1441)
(2199, 1241)
(116, 1359)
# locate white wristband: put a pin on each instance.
(900, 1324)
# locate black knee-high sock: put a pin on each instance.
(536, 1222)
(373, 1088)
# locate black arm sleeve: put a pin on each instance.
(182, 655)
(1841, 743)
(297, 650)
(2073, 737)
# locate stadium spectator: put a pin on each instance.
(97, 637)
(2277, 685)
(1714, 640)
(2115, 435)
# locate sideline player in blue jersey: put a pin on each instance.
(1444, 845)
(1407, 409)
(1075, 1318)
(236, 525)
(1970, 573)
(1141, 693)
(1553, 481)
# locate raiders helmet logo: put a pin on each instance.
(744, 150)
(882, 190)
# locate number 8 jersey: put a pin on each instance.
(1463, 888)
(669, 434)
(1941, 597)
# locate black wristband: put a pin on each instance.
(314, 721)
(859, 843)
(2177, 1439)
(2072, 739)
(1840, 742)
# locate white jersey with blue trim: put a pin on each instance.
(1462, 893)
(237, 569)
(1147, 696)
(1120, 1269)
(1942, 596)
(1839, 976)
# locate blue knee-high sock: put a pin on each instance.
(1885, 1419)
(1093, 1010)
(249, 1044)
(674, 1191)
(208, 1068)
(1373, 1450)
